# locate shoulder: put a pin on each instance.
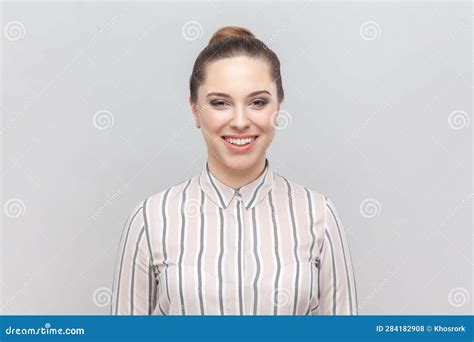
(318, 201)
(167, 195)
(148, 210)
(283, 183)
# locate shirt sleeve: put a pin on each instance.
(337, 280)
(134, 282)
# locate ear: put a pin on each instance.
(195, 111)
(191, 105)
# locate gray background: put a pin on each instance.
(379, 97)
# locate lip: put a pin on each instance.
(245, 136)
(239, 149)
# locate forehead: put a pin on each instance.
(238, 75)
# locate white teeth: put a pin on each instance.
(240, 142)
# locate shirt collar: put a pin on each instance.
(222, 194)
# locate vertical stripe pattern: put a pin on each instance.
(200, 247)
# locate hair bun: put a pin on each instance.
(230, 31)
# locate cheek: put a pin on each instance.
(212, 121)
(270, 134)
(212, 126)
(264, 119)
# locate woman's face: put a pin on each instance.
(238, 99)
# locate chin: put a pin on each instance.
(242, 162)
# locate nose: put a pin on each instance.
(239, 121)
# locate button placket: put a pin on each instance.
(242, 246)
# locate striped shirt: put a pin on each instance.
(200, 247)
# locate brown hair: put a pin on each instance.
(233, 41)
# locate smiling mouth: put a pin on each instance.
(240, 142)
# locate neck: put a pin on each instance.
(236, 178)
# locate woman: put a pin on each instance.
(236, 239)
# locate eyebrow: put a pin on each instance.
(249, 95)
